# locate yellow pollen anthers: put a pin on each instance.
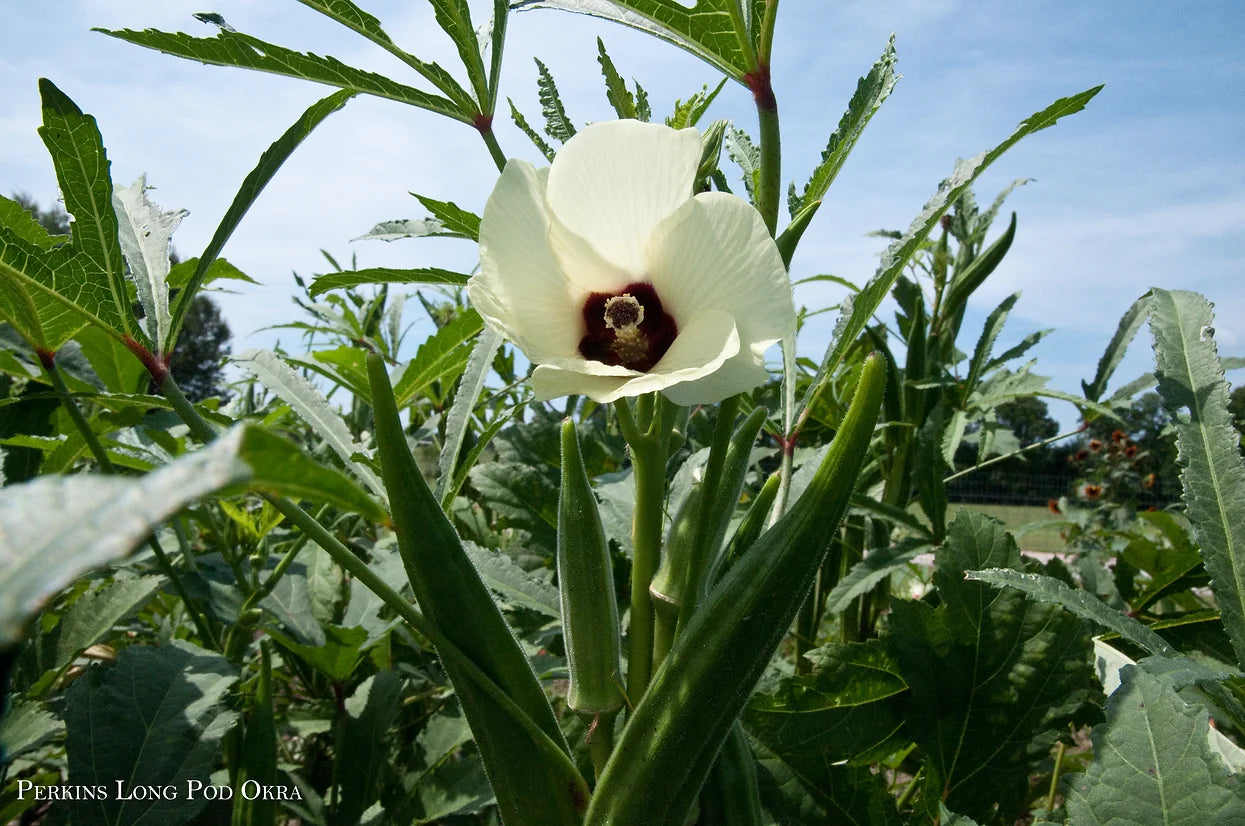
(623, 315)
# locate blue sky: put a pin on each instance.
(1146, 187)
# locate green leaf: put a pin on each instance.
(967, 280)
(113, 363)
(457, 422)
(385, 275)
(454, 18)
(868, 572)
(440, 359)
(800, 787)
(1124, 334)
(871, 91)
(981, 663)
(515, 586)
(744, 152)
(557, 125)
(92, 615)
(856, 314)
(363, 744)
(279, 465)
(1047, 589)
(218, 270)
(704, 28)
(269, 162)
(55, 528)
(616, 90)
(985, 342)
(145, 232)
(667, 748)
(843, 710)
(408, 228)
(689, 112)
(25, 727)
(355, 18)
(532, 134)
(1152, 763)
(97, 268)
(15, 218)
(155, 718)
(340, 653)
(305, 399)
(231, 48)
(453, 218)
(1212, 473)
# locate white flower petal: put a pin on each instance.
(583, 264)
(614, 182)
(715, 253)
(520, 289)
(704, 345)
(739, 374)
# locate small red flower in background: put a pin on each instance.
(1080, 456)
(1118, 435)
(1091, 491)
(1149, 481)
(1130, 450)
(1094, 445)
(1053, 505)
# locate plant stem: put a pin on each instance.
(1060, 748)
(494, 148)
(648, 466)
(1024, 449)
(698, 562)
(769, 187)
(75, 413)
(601, 740)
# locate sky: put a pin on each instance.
(1146, 187)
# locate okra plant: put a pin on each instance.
(543, 568)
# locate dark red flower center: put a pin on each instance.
(628, 328)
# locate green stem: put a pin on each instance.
(75, 413)
(494, 148)
(648, 466)
(601, 740)
(910, 789)
(765, 46)
(1054, 777)
(198, 617)
(742, 35)
(1024, 449)
(769, 187)
(698, 563)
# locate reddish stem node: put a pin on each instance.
(47, 358)
(156, 365)
(762, 89)
(483, 123)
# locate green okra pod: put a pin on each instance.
(586, 586)
(532, 786)
(669, 744)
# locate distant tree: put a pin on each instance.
(198, 359)
(1029, 418)
(198, 362)
(54, 220)
(1236, 405)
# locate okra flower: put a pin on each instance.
(615, 279)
